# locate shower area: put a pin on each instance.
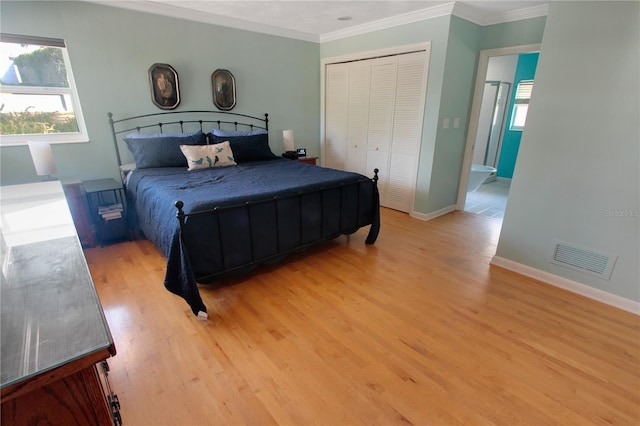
(491, 122)
(497, 137)
(487, 194)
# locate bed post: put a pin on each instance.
(180, 214)
(375, 225)
(115, 138)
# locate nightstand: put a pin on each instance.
(107, 207)
(77, 206)
(308, 160)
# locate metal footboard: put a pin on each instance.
(280, 252)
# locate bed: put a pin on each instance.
(208, 191)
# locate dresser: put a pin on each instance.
(55, 337)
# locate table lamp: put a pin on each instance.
(42, 157)
(287, 138)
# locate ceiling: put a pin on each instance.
(319, 21)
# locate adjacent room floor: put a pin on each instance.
(489, 200)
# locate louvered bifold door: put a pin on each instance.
(358, 123)
(381, 113)
(374, 114)
(336, 116)
(407, 131)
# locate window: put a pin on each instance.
(38, 99)
(521, 105)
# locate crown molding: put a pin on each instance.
(462, 10)
(517, 15)
(163, 9)
(456, 8)
(394, 21)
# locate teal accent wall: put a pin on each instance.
(525, 70)
(111, 50)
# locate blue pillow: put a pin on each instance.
(220, 132)
(247, 148)
(161, 150)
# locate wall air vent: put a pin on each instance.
(589, 261)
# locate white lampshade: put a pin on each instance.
(42, 157)
(287, 137)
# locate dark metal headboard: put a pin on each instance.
(181, 122)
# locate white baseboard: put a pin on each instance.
(432, 215)
(570, 285)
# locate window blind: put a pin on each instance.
(524, 89)
(33, 40)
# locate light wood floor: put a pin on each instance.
(417, 329)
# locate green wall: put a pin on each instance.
(457, 94)
(111, 50)
(455, 47)
(577, 177)
(434, 30)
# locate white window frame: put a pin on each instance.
(522, 97)
(53, 138)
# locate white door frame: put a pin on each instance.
(474, 117)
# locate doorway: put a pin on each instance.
(491, 121)
(493, 140)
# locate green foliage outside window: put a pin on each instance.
(44, 67)
(26, 123)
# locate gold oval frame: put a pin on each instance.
(223, 85)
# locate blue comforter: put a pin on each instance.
(264, 210)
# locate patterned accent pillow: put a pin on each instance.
(205, 156)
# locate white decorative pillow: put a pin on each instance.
(205, 156)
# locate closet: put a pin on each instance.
(373, 119)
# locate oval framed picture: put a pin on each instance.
(224, 89)
(163, 80)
